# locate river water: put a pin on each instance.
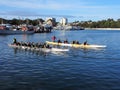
(78, 69)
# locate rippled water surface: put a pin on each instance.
(78, 69)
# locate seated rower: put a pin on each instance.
(85, 43)
(14, 41)
(48, 46)
(73, 42)
(66, 41)
(44, 45)
(18, 43)
(59, 41)
(40, 45)
(77, 42)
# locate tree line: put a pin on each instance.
(15, 21)
(109, 23)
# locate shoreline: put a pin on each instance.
(102, 28)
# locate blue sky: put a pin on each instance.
(79, 10)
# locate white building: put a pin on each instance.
(64, 21)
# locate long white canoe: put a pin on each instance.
(77, 45)
(39, 49)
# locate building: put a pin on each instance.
(64, 21)
(51, 21)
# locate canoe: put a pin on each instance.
(76, 45)
(39, 49)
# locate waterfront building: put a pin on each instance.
(50, 21)
(64, 21)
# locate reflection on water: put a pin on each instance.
(29, 52)
(38, 53)
(24, 37)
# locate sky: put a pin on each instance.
(74, 10)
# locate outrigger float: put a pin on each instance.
(50, 49)
(87, 46)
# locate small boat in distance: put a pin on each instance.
(87, 46)
(7, 29)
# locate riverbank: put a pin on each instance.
(102, 28)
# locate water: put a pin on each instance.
(77, 69)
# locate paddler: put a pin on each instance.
(85, 43)
(66, 41)
(77, 42)
(14, 41)
(59, 41)
(73, 42)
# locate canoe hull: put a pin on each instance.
(76, 45)
(39, 49)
